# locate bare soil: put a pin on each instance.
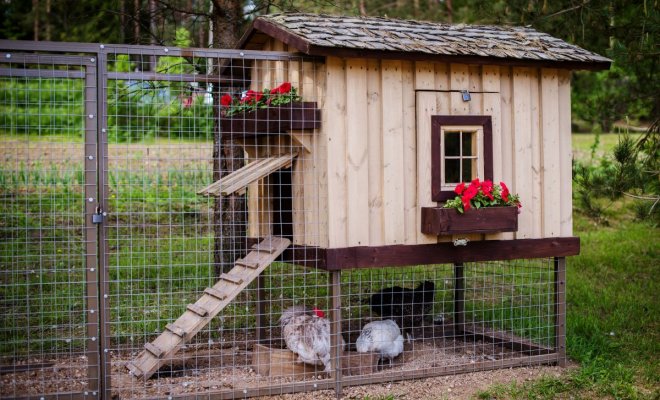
(227, 366)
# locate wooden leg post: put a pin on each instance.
(560, 310)
(335, 329)
(459, 299)
(261, 335)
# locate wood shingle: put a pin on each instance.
(325, 35)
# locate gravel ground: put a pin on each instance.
(230, 368)
(454, 387)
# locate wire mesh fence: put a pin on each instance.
(133, 265)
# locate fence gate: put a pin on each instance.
(103, 237)
(49, 302)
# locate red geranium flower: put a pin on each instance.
(475, 183)
(225, 100)
(249, 96)
(283, 88)
(505, 192)
(460, 188)
(487, 189)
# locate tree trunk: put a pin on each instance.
(137, 8)
(48, 22)
(229, 213)
(35, 22)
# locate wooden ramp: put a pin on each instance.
(208, 306)
(238, 180)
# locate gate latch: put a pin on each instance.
(97, 217)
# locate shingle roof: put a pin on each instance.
(324, 34)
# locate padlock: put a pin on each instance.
(466, 95)
(97, 217)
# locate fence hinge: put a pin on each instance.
(97, 217)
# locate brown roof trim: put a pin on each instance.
(300, 44)
(402, 55)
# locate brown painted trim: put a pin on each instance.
(280, 34)
(476, 60)
(437, 122)
(272, 120)
(447, 253)
(447, 221)
(425, 254)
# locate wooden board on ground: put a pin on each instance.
(268, 361)
(208, 306)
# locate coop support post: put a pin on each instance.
(335, 329)
(459, 299)
(261, 310)
(560, 310)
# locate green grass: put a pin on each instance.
(613, 312)
(160, 257)
(586, 144)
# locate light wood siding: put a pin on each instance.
(565, 154)
(357, 147)
(334, 135)
(550, 159)
(368, 169)
(309, 176)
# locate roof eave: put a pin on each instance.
(313, 50)
(276, 32)
(302, 45)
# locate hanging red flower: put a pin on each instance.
(226, 100)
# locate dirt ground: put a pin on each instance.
(453, 387)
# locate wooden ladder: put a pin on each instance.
(214, 299)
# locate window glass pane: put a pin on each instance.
(452, 171)
(452, 144)
(467, 143)
(467, 170)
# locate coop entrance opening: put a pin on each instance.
(282, 203)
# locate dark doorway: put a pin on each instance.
(282, 203)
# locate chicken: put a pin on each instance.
(381, 336)
(407, 307)
(306, 332)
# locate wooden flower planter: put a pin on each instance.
(273, 120)
(448, 221)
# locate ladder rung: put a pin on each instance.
(247, 264)
(176, 329)
(213, 292)
(137, 372)
(153, 349)
(201, 311)
(265, 246)
(237, 280)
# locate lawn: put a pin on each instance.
(613, 329)
(161, 260)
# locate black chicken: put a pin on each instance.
(407, 307)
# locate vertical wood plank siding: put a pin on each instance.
(369, 172)
(531, 144)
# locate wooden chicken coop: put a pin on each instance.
(352, 179)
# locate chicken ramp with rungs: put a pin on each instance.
(214, 299)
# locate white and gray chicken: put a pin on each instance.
(307, 334)
(381, 336)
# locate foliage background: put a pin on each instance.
(626, 31)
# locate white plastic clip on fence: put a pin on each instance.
(461, 242)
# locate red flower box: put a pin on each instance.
(448, 221)
(272, 120)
